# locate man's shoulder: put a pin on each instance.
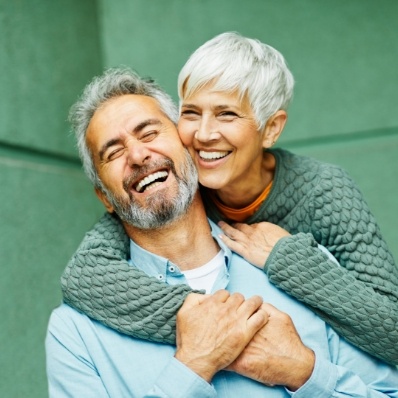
(65, 318)
(65, 310)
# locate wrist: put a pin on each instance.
(302, 371)
(200, 365)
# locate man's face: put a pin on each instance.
(148, 177)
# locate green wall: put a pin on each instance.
(343, 55)
(48, 51)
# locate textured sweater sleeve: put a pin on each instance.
(100, 282)
(359, 298)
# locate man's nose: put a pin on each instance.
(137, 154)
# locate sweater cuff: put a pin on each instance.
(178, 381)
(287, 246)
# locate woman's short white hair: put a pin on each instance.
(230, 62)
(115, 82)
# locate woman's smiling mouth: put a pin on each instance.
(214, 155)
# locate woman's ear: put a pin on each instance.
(102, 197)
(274, 127)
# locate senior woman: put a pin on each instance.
(234, 93)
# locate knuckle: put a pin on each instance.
(238, 296)
(257, 299)
(285, 318)
(221, 294)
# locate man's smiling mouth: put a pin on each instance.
(209, 156)
(151, 181)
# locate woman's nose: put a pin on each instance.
(207, 131)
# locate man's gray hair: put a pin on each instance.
(231, 62)
(113, 83)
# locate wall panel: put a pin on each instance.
(342, 54)
(45, 209)
(48, 51)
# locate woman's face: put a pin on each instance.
(221, 134)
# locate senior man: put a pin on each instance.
(236, 342)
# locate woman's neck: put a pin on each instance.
(242, 194)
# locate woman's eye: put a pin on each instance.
(189, 113)
(227, 115)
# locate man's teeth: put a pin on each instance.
(145, 182)
(212, 155)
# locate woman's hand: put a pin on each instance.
(253, 242)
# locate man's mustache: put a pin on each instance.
(140, 172)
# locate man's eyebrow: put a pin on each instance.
(136, 130)
(145, 123)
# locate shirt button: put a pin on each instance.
(172, 268)
(160, 277)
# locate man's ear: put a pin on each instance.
(274, 127)
(102, 197)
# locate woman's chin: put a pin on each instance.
(212, 182)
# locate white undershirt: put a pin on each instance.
(203, 277)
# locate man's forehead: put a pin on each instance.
(130, 102)
(125, 112)
(123, 115)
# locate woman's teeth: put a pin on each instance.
(144, 184)
(212, 155)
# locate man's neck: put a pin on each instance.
(187, 242)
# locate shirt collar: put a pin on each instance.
(158, 266)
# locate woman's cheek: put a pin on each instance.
(185, 135)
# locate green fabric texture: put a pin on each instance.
(99, 281)
(316, 203)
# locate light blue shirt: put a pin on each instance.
(87, 359)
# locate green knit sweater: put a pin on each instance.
(316, 203)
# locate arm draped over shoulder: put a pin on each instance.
(316, 203)
(100, 282)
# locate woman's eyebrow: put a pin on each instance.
(217, 107)
(190, 106)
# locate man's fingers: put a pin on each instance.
(221, 295)
(257, 320)
(256, 315)
(195, 299)
(270, 309)
(236, 300)
(250, 305)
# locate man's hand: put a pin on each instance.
(213, 330)
(253, 242)
(276, 355)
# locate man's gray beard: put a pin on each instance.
(159, 211)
